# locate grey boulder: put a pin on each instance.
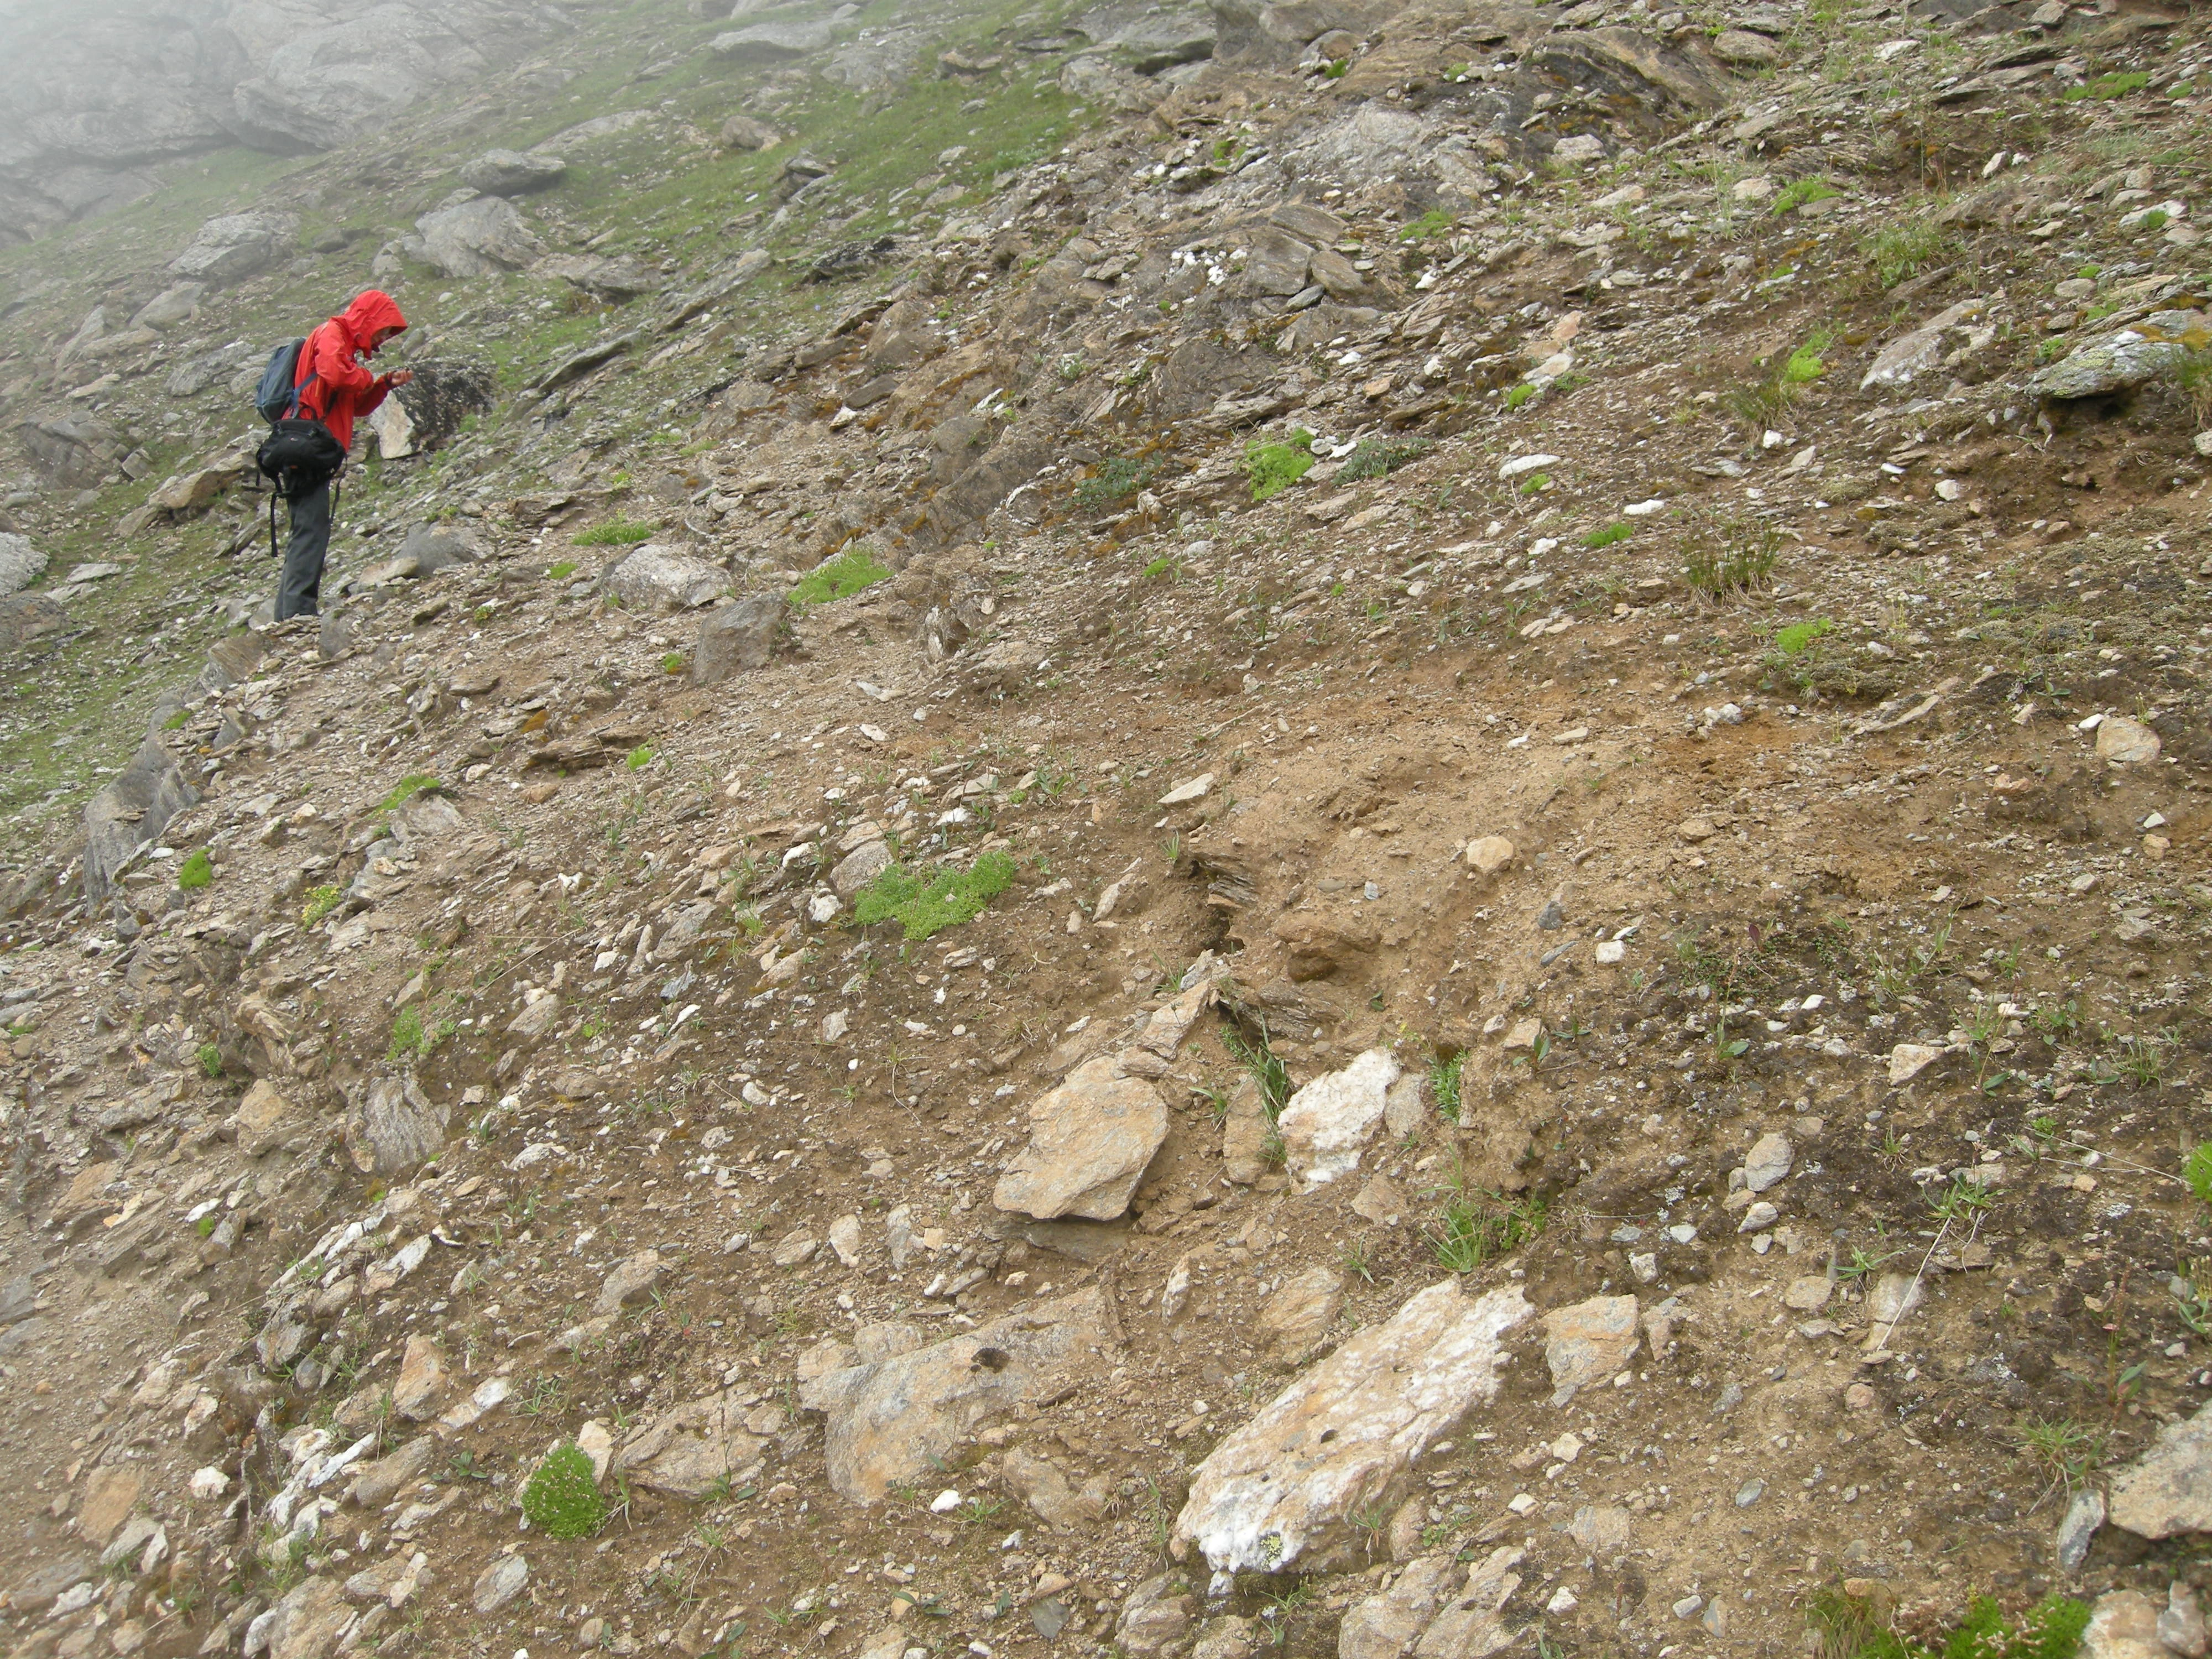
(513, 173)
(236, 245)
(2161, 343)
(764, 43)
(178, 304)
(478, 238)
(21, 564)
(655, 578)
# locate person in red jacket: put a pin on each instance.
(333, 385)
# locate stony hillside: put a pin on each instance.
(1355, 828)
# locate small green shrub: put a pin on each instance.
(2154, 219)
(406, 1034)
(560, 1499)
(639, 758)
(621, 532)
(1611, 535)
(560, 572)
(1794, 196)
(1273, 468)
(1525, 393)
(195, 872)
(1118, 477)
(1372, 458)
(176, 721)
(321, 900)
(924, 908)
(849, 573)
(1792, 640)
(1805, 365)
(210, 1060)
(1848, 1628)
(671, 662)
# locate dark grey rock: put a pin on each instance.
(737, 637)
(439, 547)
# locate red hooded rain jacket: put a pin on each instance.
(341, 388)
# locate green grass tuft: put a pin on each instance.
(1903, 251)
(1608, 537)
(1273, 468)
(195, 872)
(639, 758)
(406, 1035)
(923, 908)
(560, 572)
(2197, 1172)
(562, 1500)
(1443, 1082)
(849, 573)
(2107, 86)
(1805, 189)
(321, 900)
(621, 532)
(1525, 393)
(210, 1060)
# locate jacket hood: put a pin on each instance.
(371, 310)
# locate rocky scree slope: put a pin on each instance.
(1583, 1025)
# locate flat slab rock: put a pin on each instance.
(1281, 1487)
(895, 1418)
(1089, 1141)
(693, 1447)
(1431, 1610)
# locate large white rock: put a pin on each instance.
(1089, 1141)
(1326, 1123)
(1281, 1487)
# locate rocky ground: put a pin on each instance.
(1335, 828)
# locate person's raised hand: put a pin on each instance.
(401, 377)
